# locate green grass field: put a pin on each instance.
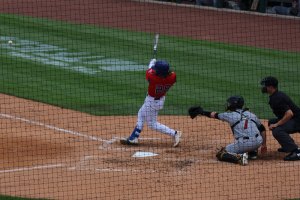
(100, 70)
(4, 197)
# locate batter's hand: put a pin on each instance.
(152, 63)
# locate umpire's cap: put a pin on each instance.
(269, 81)
(235, 102)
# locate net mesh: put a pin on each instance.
(73, 84)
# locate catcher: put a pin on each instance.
(248, 131)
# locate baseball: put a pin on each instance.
(10, 42)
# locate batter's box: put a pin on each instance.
(157, 164)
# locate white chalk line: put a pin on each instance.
(93, 138)
(54, 128)
(31, 168)
(75, 168)
(107, 142)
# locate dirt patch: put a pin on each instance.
(50, 152)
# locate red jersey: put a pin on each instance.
(158, 86)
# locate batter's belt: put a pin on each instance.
(155, 98)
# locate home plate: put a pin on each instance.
(141, 154)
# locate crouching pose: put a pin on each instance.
(249, 133)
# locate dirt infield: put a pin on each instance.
(55, 153)
(50, 152)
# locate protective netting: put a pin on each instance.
(74, 83)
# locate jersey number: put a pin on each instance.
(162, 89)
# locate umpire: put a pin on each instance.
(287, 119)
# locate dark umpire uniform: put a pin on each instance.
(287, 121)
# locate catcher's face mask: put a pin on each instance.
(226, 106)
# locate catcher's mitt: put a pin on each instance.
(194, 111)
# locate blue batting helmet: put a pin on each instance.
(162, 68)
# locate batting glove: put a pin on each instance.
(152, 62)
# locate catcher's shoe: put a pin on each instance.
(244, 159)
(177, 138)
(293, 156)
(127, 141)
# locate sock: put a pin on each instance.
(135, 134)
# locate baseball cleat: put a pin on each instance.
(177, 138)
(127, 141)
(244, 159)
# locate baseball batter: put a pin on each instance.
(248, 131)
(160, 79)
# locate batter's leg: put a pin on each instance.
(151, 119)
(142, 116)
(140, 123)
(133, 138)
(135, 133)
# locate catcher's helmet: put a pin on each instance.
(162, 68)
(235, 102)
(268, 81)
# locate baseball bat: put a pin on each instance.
(155, 43)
